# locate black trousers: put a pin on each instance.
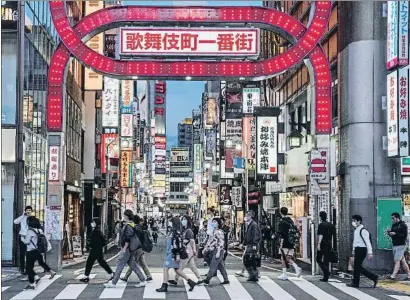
(359, 256)
(32, 257)
(323, 259)
(23, 250)
(251, 264)
(96, 256)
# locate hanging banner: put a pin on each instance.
(54, 165)
(212, 115)
(266, 148)
(237, 197)
(210, 144)
(392, 120)
(127, 125)
(126, 169)
(222, 102)
(403, 113)
(110, 102)
(110, 140)
(196, 126)
(249, 138)
(251, 98)
(197, 158)
(225, 194)
(233, 131)
(392, 33)
(127, 96)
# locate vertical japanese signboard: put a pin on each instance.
(249, 138)
(233, 131)
(159, 109)
(211, 114)
(403, 114)
(126, 169)
(251, 98)
(53, 174)
(266, 148)
(392, 120)
(110, 143)
(392, 33)
(233, 95)
(237, 197)
(127, 125)
(110, 102)
(197, 158)
(210, 144)
(196, 127)
(404, 33)
(127, 96)
(225, 194)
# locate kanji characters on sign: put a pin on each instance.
(110, 102)
(53, 174)
(392, 114)
(403, 115)
(266, 147)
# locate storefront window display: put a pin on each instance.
(73, 232)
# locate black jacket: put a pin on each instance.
(97, 240)
(283, 232)
(399, 239)
(252, 236)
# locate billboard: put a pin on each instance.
(233, 99)
(127, 96)
(110, 102)
(127, 127)
(142, 99)
(197, 158)
(190, 41)
(266, 148)
(403, 113)
(110, 140)
(196, 126)
(210, 144)
(159, 109)
(392, 120)
(249, 137)
(179, 154)
(54, 165)
(392, 33)
(211, 112)
(126, 169)
(251, 98)
(233, 130)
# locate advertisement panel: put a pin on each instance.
(404, 33)
(142, 99)
(249, 138)
(403, 112)
(222, 102)
(179, 154)
(126, 169)
(127, 128)
(110, 140)
(93, 81)
(234, 100)
(233, 130)
(251, 98)
(225, 194)
(211, 112)
(197, 158)
(54, 165)
(109, 45)
(392, 120)
(210, 144)
(267, 148)
(160, 106)
(127, 143)
(196, 126)
(392, 33)
(237, 197)
(190, 41)
(127, 96)
(110, 102)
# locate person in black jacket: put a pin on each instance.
(398, 234)
(251, 242)
(96, 244)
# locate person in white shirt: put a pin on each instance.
(22, 220)
(362, 247)
(211, 215)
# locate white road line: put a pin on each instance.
(150, 289)
(92, 276)
(43, 284)
(114, 293)
(334, 280)
(400, 297)
(355, 293)
(199, 293)
(273, 289)
(76, 272)
(311, 289)
(71, 291)
(3, 288)
(235, 289)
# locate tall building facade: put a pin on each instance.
(185, 135)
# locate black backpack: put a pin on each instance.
(178, 247)
(42, 244)
(293, 234)
(147, 242)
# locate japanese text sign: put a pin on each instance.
(403, 113)
(392, 119)
(53, 174)
(197, 158)
(110, 143)
(225, 194)
(392, 33)
(159, 107)
(126, 172)
(404, 33)
(127, 125)
(267, 147)
(251, 98)
(110, 102)
(127, 96)
(237, 197)
(190, 41)
(233, 130)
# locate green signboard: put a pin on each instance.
(385, 207)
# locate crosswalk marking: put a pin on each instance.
(235, 289)
(273, 289)
(71, 291)
(400, 297)
(43, 284)
(311, 289)
(92, 276)
(3, 288)
(355, 293)
(114, 293)
(150, 289)
(199, 293)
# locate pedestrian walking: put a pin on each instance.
(139, 254)
(175, 251)
(362, 248)
(130, 243)
(96, 244)
(211, 215)
(118, 234)
(252, 242)
(202, 238)
(289, 238)
(214, 252)
(36, 246)
(155, 230)
(188, 239)
(22, 221)
(226, 230)
(325, 232)
(398, 233)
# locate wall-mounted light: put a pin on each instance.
(295, 139)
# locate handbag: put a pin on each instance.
(333, 256)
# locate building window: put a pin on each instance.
(73, 129)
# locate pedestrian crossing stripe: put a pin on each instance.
(236, 290)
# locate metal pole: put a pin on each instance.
(19, 164)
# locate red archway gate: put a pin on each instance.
(306, 45)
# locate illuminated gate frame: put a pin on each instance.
(306, 45)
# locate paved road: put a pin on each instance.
(65, 286)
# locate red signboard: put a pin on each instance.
(110, 140)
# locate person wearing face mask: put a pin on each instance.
(202, 238)
(96, 244)
(251, 242)
(362, 247)
(22, 221)
(211, 215)
(188, 240)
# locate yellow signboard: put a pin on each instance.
(126, 169)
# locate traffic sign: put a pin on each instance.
(319, 165)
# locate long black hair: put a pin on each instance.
(176, 225)
(189, 221)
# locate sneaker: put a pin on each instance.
(141, 284)
(124, 279)
(298, 271)
(52, 274)
(29, 288)
(225, 282)
(149, 279)
(200, 282)
(283, 277)
(85, 279)
(172, 282)
(110, 285)
(205, 282)
(37, 279)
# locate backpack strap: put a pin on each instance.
(360, 232)
(31, 241)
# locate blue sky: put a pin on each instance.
(183, 96)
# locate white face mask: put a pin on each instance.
(184, 223)
(93, 225)
(354, 224)
(169, 224)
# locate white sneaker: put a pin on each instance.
(141, 284)
(298, 271)
(109, 284)
(283, 277)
